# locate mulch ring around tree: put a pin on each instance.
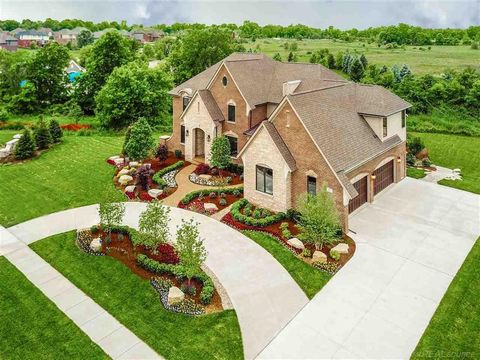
(121, 248)
(140, 192)
(276, 232)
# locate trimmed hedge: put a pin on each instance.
(205, 192)
(249, 220)
(159, 174)
(208, 288)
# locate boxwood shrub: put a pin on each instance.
(207, 192)
(208, 288)
(250, 220)
(158, 175)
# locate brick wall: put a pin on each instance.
(177, 109)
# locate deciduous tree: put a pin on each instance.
(190, 248)
(140, 141)
(153, 225)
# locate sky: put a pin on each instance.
(342, 14)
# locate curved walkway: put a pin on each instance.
(262, 292)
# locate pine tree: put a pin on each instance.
(220, 152)
(356, 70)
(290, 57)
(331, 61)
(43, 139)
(364, 61)
(25, 146)
(404, 72)
(55, 131)
(277, 57)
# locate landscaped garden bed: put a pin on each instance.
(214, 176)
(210, 201)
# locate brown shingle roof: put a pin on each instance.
(211, 105)
(281, 146)
(376, 100)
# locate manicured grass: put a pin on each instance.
(454, 330)
(133, 302)
(32, 327)
(71, 174)
(7, 135)
(62, 119)
(455, 151)
(311, 280)
(420, 61)
(415, 173)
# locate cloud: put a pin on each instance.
(317, 13)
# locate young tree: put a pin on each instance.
(133, 91)
(364, 61)
(220, 152)
(331, 61)
(291, 57)
(277, 57)
(111, 214)
(162, 152)
(319, 221)
(55, 130)
(43, 139)
(140, 141)
(190, 248)
(153, 225)
(84, 38)
(355, 69)
(25, 146)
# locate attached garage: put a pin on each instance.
(361, 198)
(383, 177)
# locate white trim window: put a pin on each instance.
(264, 179)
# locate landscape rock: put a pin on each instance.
(210, 207)
(119, 161)
(134, 163)
(175, 295)
(124, 171)
(17, 136)
(96, 245)
(124, 179)
(319, 257)
(341, 248)
(113, 158)
(205, 177)
(296, 243)
(130, 188)
(154, 193)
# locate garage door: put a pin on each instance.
(361, 198)
(383, 177)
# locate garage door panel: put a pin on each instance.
(383, 177)
(361, 198)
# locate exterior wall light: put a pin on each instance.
(373, 177)
(186, 132)
(208, 138)
(399, 159)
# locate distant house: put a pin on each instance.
(98, 34)
(146, 35)
(27, 37)
(47, 31)
(8, 42)
(65, 36)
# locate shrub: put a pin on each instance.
(143, 174)
(257, 213)
(3, 114)
(162, 152)
(235, 168)
(188, 289)
(426, 162)
(411, 159)
(306, 253)
(214, 171)
(202, 169)
(223, 202)
(55, 131)
(223, 195)
(178, 154)
(236, 193)
(94, 229)
(159, 174)
(334, 254)
(246, 219)
(204, 192)
(140, 141)
(43, 139)
(25, 146)
(212, 195)
(415, 145)
(161, 183)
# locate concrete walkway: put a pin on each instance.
(410, 244)
(262, 292)
(115, 339)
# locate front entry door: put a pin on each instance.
(199, 142)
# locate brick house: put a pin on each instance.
(294, 127)
(27, 37)
(8, 42)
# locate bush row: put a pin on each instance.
(159, 174)
(249, 220)
(206, 192)
(208, 288)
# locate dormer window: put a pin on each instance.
(186, 100)
(224, 81)
(385, 127)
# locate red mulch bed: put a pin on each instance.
(122, 249)
(75, 127)
(207, 199)
(274, 229)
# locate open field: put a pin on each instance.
(32, 327)
(454, 329)
(133, 302)
(420, 61)
(455, 151)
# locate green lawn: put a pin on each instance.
(7, 135)
(455, 151)
(311, 280)
(415, 173)
(133, 302)
(420, 61)
(71, 174)
(62, 119)
(454, 330)
(32, 327)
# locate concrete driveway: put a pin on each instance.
(410, 244)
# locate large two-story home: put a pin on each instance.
(294, 127)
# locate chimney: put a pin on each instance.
(289, 87)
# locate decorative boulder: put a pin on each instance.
(296, 243)
(210, 207)
(96, 245)
(341, 248)
(124, 179)
(205, 177)
(124, 171)
(175, 295)
(114, 157)
(118, 161)
(154, 193)
(17, 136)
(134, 163)
(319, 257)
(130, 188)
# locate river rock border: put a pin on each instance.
(226, 302)
(187, 306)
(199, 181)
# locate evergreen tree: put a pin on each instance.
(331, 61)
(43, 139)
(355, 69)
(25, 146)
(55, 131)
(220, 152)
(346, 62)
(339, 60)
(290, 57)
(277, 57)
(140, 140)
(364, 61)
(404, 72)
